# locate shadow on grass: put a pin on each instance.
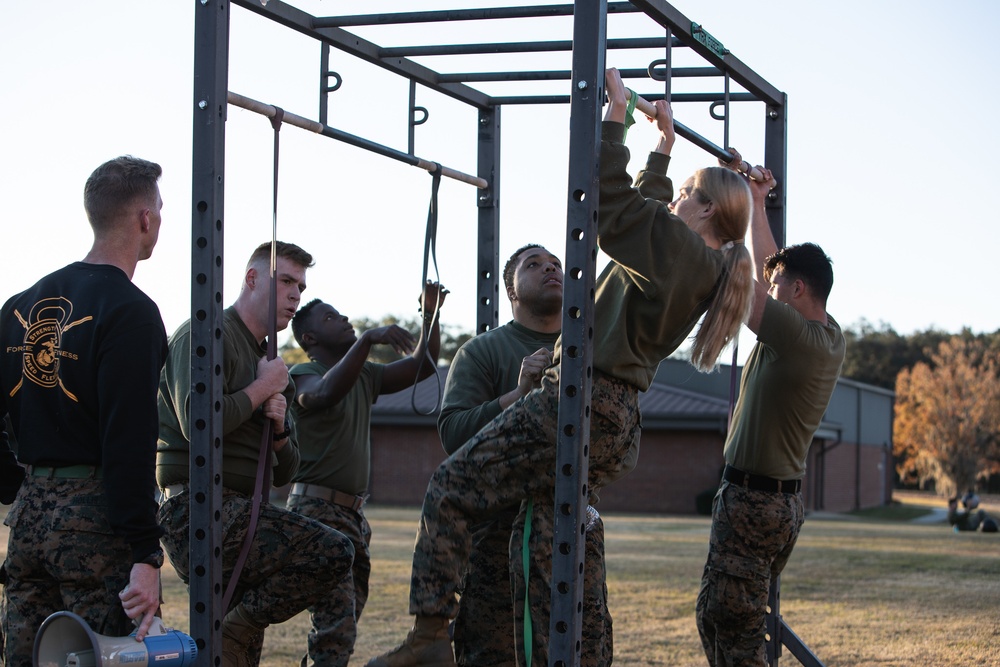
(893, 512)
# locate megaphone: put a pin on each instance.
(65, 640)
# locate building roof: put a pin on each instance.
(663, 406)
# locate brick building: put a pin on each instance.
(684, 417)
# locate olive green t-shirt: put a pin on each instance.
(335, 442)
(785, 389)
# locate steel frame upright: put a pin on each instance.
(211, 76)
(576, 367)
(776, 157)
(488, 232)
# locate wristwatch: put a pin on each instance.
(285, 433)
(155, 559)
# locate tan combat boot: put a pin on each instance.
(239, 636)
(426, 645)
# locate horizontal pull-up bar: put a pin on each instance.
(565, 75)
(319, 128)
(647, 108)
(460, 15)
(520, 47)
(503, 100)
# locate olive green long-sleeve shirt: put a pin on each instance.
(242, 426)
(660, 280)
(485, 368)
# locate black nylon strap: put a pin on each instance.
(267, 436)
(430, 256)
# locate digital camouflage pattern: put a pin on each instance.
(494, 583)
(62, 556)
(753, 533)
(484, 627)
(335, 616)
(512, 458)
(597, 639)
(293, 561)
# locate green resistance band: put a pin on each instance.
(629, 120)
(525, 563)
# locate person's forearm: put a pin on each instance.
(428, 348)
(258, 391)
(664, 145)
(761, 240)
(616, 112)
(337, 381)
(510, 397)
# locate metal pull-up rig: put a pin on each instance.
(581, 85)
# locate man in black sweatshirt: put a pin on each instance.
(79, 364)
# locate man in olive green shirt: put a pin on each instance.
(335, 392)
(488, 374)
(786, 386)
(293, 561)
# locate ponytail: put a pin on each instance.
(728, 311)
(733, 297)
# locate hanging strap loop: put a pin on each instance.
(430, 256)
(260, 491)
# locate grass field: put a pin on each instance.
(868, 589)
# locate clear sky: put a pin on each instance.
(891, 138)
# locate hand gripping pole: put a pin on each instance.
(649, 109)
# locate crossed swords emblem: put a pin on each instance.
(48, 320)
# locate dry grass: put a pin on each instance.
(857, 591)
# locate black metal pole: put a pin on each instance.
(573, 434)
(776, 159)
(488, 203)
(211, 72)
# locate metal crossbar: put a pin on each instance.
(319, 128)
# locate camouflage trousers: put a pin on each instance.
(293, 561)
(493, 589)
(753, 533)
(62, 555)
(484, 627)
(596, 648)
(511, 459)
(335, 617)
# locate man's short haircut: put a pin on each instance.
(511, 266)
(115, 185)
(300, 318)
(289, 251)
(806, 262)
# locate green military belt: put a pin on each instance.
(67, 472)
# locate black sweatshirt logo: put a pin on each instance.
(42, 351)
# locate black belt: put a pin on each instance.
(760, 482)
